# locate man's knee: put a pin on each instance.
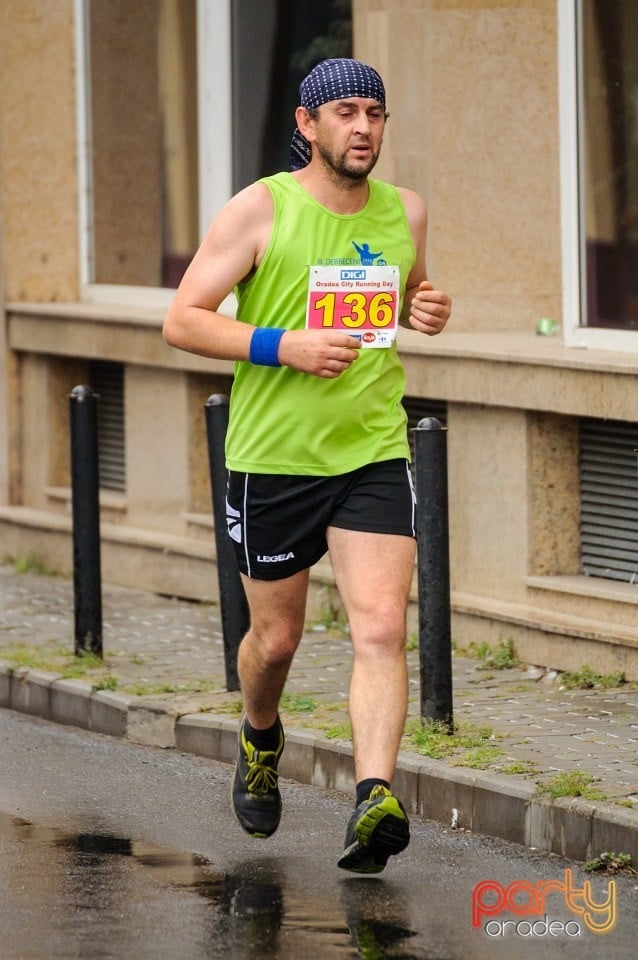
(382, 633)
(272, 648)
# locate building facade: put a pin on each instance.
(125, 126)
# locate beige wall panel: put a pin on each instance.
(474, 127)
(34, 382)
(488, 500)
(200, 389)
(157, 454)
(554, 499)
(37, 165)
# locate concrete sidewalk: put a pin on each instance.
(521, 732)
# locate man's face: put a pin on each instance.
(349, 134)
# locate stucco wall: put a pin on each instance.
(38, 158)
(473, 96)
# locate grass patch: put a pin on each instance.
(110, 683)
(572, 784)
(147, 689)
(500, 657)
(431, 739)
(610, 862)
(479, 758)
(55, 659)
(235, 708)
(412, 642)
(31, 563)
(588, 679)
(339, 731)
(331, 617)
(525, 767)
(297, 703)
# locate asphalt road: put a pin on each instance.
(113, 850)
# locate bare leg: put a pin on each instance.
(373, 574)
(277, 611)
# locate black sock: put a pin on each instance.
(267, 739)
(365, 787)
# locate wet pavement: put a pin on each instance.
(111, 849)
(164, 676)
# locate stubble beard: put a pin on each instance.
(344, 174)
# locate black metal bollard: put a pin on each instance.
(232, 598)
(435, 638)
(85, 489)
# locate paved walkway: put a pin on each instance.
(520, 731)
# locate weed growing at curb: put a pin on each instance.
(587, 679)
(432, 739)
(524, 767)
(110, 683)
(340, 731)
(478, 758)
(58, 660)
(31, 563)
(148, 689)
(610, 862)
(297, 703)
(571, 784)
(500, 657)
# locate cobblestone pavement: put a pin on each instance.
(524, 723)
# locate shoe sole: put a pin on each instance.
(383, 832)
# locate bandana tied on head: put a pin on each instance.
(333, 80)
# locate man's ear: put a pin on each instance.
(305, 123)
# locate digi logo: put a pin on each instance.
(353, 275)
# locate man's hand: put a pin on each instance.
(323, 353)
(430, 309)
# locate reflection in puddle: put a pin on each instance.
(247, 912)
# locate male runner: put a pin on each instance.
(324, 261)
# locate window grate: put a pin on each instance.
(609, 499)
(107, 380)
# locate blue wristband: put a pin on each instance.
(264, 346)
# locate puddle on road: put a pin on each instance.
(120, 897)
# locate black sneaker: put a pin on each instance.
(255, 795)
(377, 829)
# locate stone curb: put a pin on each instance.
(473, 800)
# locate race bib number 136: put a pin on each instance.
(360, 301)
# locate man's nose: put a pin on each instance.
(362, 122)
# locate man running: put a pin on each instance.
(324, 261)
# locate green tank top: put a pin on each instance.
(283, 421)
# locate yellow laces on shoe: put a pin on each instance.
(261, 776)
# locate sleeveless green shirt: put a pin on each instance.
(283, 421)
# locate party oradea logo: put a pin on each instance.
(530, 906)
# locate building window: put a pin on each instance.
(609, 499)
(292, 36)
(181, 103)
(141, 74)
(107, 381)
(609, 158)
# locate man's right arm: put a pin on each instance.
(230, 251)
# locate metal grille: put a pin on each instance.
(609, 499)
(107, 380)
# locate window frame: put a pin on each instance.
(214, 109)
(571, 113)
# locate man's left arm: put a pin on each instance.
(425, 308)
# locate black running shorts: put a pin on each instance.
(278, 523)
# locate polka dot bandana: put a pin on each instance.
(333, 80)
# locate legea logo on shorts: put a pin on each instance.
(490, 899)
(275, 558)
